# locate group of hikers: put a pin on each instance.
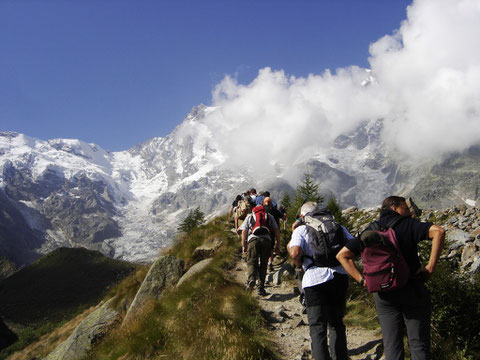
(325, 253)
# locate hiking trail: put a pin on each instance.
(288, 327)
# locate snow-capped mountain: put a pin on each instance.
(128, 204)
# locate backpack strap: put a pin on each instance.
(376, 226)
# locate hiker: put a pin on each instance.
(268, 205)
(260, 198)
(277, 215)
(409, 305)
(324, 282)
(253, 195)
(258, 231)
(233, 208)
(244, 207)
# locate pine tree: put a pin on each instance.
(198, 216)
(306, 191)
(194, 219)
(336, 211)
(286, 201)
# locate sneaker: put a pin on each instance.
(261, 291)
(250, 285)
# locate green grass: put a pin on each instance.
(59, 284)
(361, 310)
(56, 288)
(361, 314)
(207, 317)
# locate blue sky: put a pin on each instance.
(117, 73)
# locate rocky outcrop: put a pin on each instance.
(194, 270)
(163, 274)
(86, 334)
(18, 242)
(207, 250)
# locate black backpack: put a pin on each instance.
(326, 238)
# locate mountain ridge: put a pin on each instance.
(127, 204)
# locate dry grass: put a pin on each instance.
(208, 317)
(49, 342)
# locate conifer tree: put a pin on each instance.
(286, 201)
(198, 216)
(336, 211)
(194, 219)
(306, 191)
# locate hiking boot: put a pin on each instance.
(250, 285)
(270, 267)
(261, 291)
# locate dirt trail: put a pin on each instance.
(289, 327)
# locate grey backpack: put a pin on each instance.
(326, 238)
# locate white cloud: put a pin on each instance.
(429, 74)
(427, 91)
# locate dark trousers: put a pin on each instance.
(326, 304)
(409, 308)
(258, 252)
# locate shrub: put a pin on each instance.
(455, 313)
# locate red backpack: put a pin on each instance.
(261, 226)
(384, 267)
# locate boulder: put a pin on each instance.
(468, 254)
(87, 333)
(476, 232)
(195, 269)
(350, 210)
(286, 268)
(207, 250)
(458, 237)
(163, 274)
(475, 268)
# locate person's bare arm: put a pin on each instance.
(437, 234)
(346, 257)
(296, 254)
(244, 241)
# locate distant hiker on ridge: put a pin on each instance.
(244, 207)
(233, 208)
(277, 215)
(258, 229)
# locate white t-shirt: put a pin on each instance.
(314, 275)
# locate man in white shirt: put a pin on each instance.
(325, 291)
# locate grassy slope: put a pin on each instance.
(58, 285)
(208, 317)
(54, 289)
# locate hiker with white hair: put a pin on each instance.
(313, 247)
